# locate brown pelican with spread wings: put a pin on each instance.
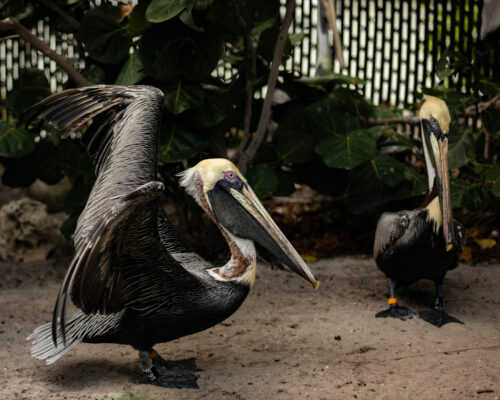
(132, 279)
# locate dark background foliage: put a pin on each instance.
(324, 135)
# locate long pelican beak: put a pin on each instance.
(241, 212)
(439, 149)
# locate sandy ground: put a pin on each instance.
(286, 341)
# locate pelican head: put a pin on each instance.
(223, 192)
(435, 119)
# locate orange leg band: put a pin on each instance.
(153, 354)
(392, 300)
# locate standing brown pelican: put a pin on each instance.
(132, 279)
(424, 243)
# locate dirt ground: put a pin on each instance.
(286, 341)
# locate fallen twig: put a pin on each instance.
(447, 352)
(12, 25)
(265, 114)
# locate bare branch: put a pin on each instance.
(265, 114)
(251, 72)
(472, 111)
(12, 25)
(63, 14)
(331, 16)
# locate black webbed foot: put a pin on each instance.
(178, 374)
(396, 311)
(437, 317)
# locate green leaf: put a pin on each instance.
(493, 179)
(293, 145)
(173, 51)
(177, 144)
(234, 16)
(261, 27)
(394, 142)
(15, 142)
(182, 96)
(187, 18)
(263, 179)
(443, 69)
(31, 87)
(347, 151)
(163, 10)
(105, 39)
(213, 109)
(470, 195)
(383, 170)
(131, 72)
(55, 162)
(331, 77)
(137, 22)
(94, 74)
(458, 141)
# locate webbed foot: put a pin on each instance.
(396, 311)
(437, 317)
(171, 374)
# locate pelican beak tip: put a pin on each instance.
(449, 246)
(316, 284)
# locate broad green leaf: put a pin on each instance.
(105, 39)
(394, 142)
(182, 96)
(470, 195)
(131, 72)
(55, 162)
(263, 179)
(296, 38)
(443, 69)
(493, 179)
(94, 74)
(15, 142)
(347, 151)
(177, 51)
(213, 110)
(330, 77)
(261, 27)
(31, 87)
(383, 170)
(293, 145)
(187, 18)
(177, 144)
(234, 16)
(137, 22)
(458, 140)
(163, 10)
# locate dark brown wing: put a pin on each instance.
(117, 233)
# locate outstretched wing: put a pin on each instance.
(117, 233)
(122, 126)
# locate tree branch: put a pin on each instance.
(472, 111)
(331, 16)
(12, 25)
(251, 72)
(265, 114)
(63, 14)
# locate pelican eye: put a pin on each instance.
(232, 179)
(230, 176)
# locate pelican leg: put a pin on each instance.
(395, 310)
(169, 374)
(437, 316)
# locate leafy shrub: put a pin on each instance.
(324, 136)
